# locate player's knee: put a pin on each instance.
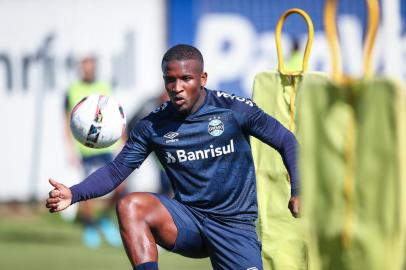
(132, 206)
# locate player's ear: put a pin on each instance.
(203, 79)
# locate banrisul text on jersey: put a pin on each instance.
(211, 152)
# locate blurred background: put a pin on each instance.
(41, 43)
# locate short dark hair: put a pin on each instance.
(183, 52)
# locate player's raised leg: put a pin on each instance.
(144, 223)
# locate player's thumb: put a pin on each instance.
(55, 184)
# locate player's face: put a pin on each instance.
(88, 68)
(184, 82)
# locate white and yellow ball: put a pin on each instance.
(97, 121)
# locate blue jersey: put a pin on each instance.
(207, 154)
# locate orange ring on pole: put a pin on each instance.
(330, 11)
(310, 28)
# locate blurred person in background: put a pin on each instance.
(295, 58)
(90, 159)
(147, 107)
(201, 138)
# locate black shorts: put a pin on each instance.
(229, 245)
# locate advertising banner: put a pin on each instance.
(236, 37)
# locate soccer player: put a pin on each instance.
(201, 137)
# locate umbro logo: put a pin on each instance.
(171, 136)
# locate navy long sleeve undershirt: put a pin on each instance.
(288, 150)
(100, 182)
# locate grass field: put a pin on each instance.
(30, 238)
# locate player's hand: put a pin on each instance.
(294, 206)
(59, 198)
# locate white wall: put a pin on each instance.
(127, 36)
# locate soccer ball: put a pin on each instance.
(97, 121)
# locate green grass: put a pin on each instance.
(41, 241)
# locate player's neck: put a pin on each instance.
(88, 81)
(200, 101)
